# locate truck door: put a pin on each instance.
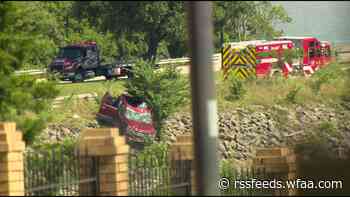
(298, 45)
(90, 58)
(318, 54)
(311, 54)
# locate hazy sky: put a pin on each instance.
(327, 20)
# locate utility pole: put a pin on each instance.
(204, 107)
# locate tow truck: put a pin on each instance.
(77, 62)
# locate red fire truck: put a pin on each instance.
(246, 58)
(315, 53)
(265, 64)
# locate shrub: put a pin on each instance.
(323, 76)
(346, 94)
(236, 89)
(292, 95)
(328, 128)
(26, 102)
(320, 133)
(154, 155)
(164, 90)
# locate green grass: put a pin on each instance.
(99, 87)
(268, 92)
(265, 92)
(84, 109)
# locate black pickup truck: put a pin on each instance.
(82, 61)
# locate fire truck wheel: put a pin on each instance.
(276, 73)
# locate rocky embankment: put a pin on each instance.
(56, 132)
(243, 130)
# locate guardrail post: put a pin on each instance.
(11, 160)
(112, 153)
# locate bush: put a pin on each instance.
(164, 90)
(292, 95)
(346, 94)
(324, 76)
(321, 133)
(328, 128)
(154, 155)
(26, 102)
(236, 89)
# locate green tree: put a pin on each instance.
(164, 90)
(139, 26)
(246, 20)
(35, 19)
(158, 21)
(22, 99)
(52, 25)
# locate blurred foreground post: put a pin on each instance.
(204, 109)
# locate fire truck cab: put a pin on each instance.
(325, 53)
(311, 46)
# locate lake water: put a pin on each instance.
(326, 20)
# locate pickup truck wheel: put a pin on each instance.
(130, 75)
(78, 77)
(108, 77)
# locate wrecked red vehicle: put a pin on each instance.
(130, 114)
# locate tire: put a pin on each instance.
(108, 77)
(108, 74)
(79, 76)
(277, 74)
(130, 75)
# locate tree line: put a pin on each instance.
(131, 30)
(31, 33)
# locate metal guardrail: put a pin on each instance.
(216, 57)
(183, 60)
(31, 72)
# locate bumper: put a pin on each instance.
(136, 136)
(68, 75)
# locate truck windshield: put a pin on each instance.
(70, 53)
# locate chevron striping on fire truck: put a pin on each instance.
(241, 55)
(243, 72)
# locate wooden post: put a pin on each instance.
(11, 160)
(112, 153)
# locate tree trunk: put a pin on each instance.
(153, 43)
